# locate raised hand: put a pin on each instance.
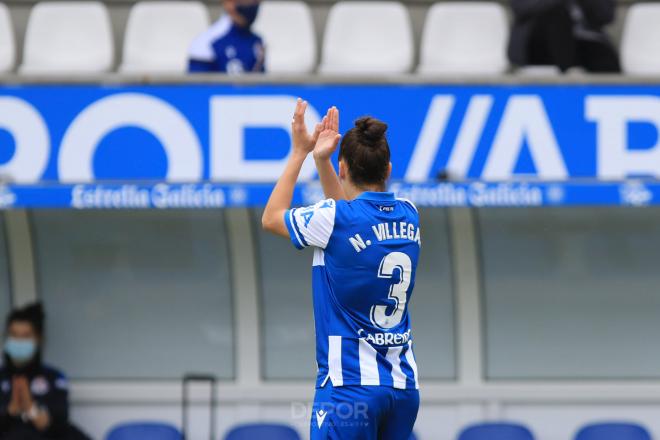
(329, 137)
(303, 141)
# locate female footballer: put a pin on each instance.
(367, 245)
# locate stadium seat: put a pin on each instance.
(289, 49)
(496, 431)
(367, 38)
(144, 431)
(7, 42)
(613, 431)
(68, 38)
(640, 44)
(465, 38)
(262, 430)
(158, 35)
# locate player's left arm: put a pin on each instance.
(280, 200)
(323, 152)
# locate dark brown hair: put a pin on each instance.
(32, 313)
(366, 152)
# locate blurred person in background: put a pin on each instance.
(565, 34)
(33, 397)
(229, 45)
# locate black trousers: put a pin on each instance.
(22, 433)
(552, 42)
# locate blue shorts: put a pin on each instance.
(363, 413)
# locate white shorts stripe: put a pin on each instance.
(368, 364)
(410, 357)
(394, 358)
(334, 361)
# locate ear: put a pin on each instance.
(389, 171)
(342, 170)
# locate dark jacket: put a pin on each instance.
(597, 14)
(49, 389)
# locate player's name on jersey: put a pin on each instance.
(388, 231)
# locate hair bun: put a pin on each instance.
(370, 128)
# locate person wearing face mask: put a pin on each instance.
(230, 46)
(33, 397)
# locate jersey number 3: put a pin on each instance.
(398, 292)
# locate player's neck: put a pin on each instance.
(354, 191)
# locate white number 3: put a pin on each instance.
(398, 292)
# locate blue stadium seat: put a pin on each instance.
(613, 431)
(144, 431)
(496, 431)
(262, 431)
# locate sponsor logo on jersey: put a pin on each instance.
(386, 338)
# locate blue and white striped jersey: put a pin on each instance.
(227, 48)
(363, 277)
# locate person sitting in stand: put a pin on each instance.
(564, 34)
(230, 46)
(33, 397)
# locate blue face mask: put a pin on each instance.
(20, 350)
(248, 12)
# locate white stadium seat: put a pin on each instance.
(7, 42)
(465, 38)
(68, 38)
(158, 35)
(367, 38)
(640, 46)
(288, 32)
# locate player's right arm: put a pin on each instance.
(273, 219)
(323, 150)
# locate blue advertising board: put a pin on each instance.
(239, 135)
(215, 195)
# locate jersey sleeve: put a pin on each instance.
(311, 225)
(201, 54)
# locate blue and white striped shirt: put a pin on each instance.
(365, 260)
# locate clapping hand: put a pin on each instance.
(21, 398)
(303, 141)
(329, 137)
